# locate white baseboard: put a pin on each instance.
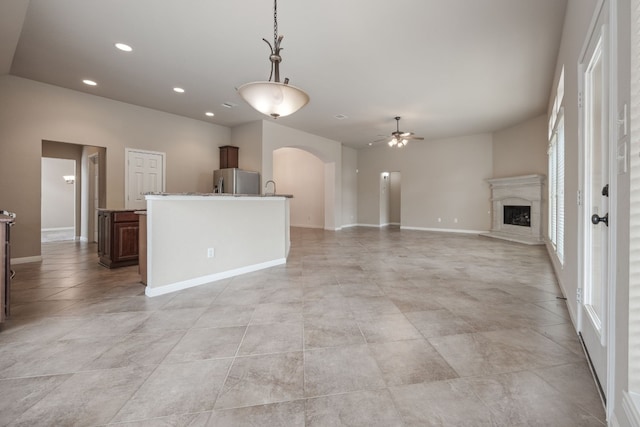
(319, 227)
(25, 260)
(349, 225)
(197, 281)
(444, 230)
(58, 229)
(402, 227)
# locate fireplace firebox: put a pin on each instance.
(517, 215)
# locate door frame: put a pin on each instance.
(127, 156)
(610, 27)
(94, 193)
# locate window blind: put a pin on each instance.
(552, 191)
(556, 172)
(560, 190)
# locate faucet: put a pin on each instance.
(266, 184)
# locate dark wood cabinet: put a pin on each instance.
(118, 238)
(6, 220)
(228, 157)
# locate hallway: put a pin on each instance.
(360, 327)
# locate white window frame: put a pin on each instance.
(556, 156)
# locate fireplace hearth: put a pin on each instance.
(516, 203)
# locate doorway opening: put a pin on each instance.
(89, 186)
(58, 200)
(390, 199)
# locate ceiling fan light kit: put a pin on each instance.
(274, 98)
(400, 139)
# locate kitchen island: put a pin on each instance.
(193, 239)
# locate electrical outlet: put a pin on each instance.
(439, 219)
(210, 253)
(455, 220)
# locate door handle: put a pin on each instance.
(595, 219)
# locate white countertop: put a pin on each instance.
(209, 196)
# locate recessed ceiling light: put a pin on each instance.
(89, 82)
(209, 113)
(370, 144)
(178, 89)
(124, 47)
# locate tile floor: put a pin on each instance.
(362, 327)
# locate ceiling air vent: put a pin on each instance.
(341, 116)
(229, 105)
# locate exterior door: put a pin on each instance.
(145, 173)
(594, 70)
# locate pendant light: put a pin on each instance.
(274, 98)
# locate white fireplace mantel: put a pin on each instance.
(523, 190)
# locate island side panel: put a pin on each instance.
(244, 232)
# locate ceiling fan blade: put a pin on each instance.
(420, 138)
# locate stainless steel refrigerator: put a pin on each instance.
(236, 181)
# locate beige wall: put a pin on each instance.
(349, 186)
(300, 173)
(275, 136)
(248, 138)
(521, 149)
(443, 178)
(31, 112)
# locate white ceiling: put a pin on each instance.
(448, 67)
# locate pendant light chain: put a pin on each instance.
(275, 22)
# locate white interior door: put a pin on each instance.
(145, 174)
(595, 209)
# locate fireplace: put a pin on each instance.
(517, 215)
(517, 210)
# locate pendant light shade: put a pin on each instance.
(273, 98)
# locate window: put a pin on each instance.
(556, 172)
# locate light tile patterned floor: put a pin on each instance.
(362, 327)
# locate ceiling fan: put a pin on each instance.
(400, 139)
